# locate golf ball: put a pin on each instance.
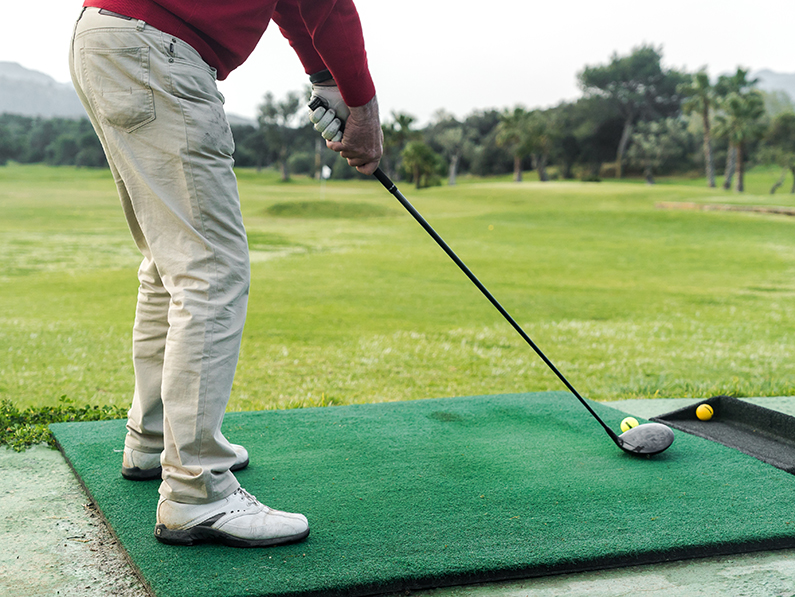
(704, 412)
(629, 423)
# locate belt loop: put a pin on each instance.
(141, 25)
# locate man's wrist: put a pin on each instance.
(368, 110)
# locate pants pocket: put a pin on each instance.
(118, 80)
(202, 106)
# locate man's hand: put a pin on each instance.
(362, 141)
(328, 117)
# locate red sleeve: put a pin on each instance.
(328, 34)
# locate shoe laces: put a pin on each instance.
(252, 500)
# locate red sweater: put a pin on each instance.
(326, 34)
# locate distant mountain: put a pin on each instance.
(237, 120)
(772, 81)
(31, 93)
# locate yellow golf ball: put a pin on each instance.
(629, 423)
(704, 412)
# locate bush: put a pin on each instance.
(302, 162)
(340, 170)
(21, 429)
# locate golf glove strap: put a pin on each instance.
(329, 117)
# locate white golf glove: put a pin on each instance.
(328, 111)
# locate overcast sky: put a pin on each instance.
(461, 56)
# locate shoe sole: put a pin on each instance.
(198, 535)
(147, 474)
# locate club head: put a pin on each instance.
(649, 438)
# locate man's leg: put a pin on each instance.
(158, 114)
(165, 131)
(145, 418)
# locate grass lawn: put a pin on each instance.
(352, 302)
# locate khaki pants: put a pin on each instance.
(159, 115)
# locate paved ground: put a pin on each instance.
(54, 544)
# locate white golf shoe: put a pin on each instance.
(239, 520)
(143, 466)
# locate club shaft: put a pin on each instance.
(392, 188)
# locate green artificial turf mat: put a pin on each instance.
(411, 495)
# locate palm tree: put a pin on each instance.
(727, 84)
(396, 134)
(700, 96)
(450, 136)
(540, 132)
(452, 140)
(780, 139)
(275, 124)
(512, 133)
(638, 87)
(421, 160)
(738, 83)
(740, 122)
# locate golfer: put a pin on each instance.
(146, 73)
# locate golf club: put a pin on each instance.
(647, 439)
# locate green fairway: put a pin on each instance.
(352, 302)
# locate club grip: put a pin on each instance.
(385, 180)
(317, 102)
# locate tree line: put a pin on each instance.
(54, 141)
(635, 117)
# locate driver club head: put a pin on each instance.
(648, 439)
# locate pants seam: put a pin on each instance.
(211, 320)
